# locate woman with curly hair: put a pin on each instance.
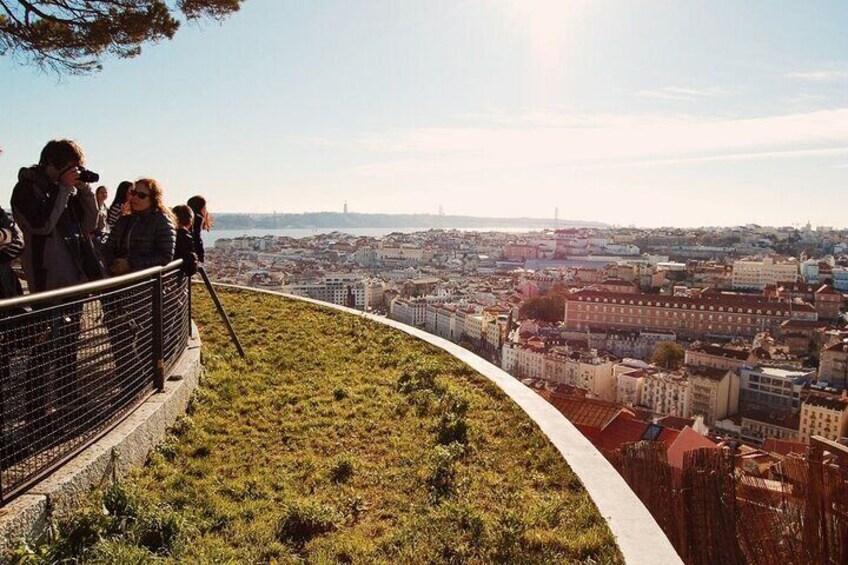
(146, 236)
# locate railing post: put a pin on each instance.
(188, 315)
(158, 334)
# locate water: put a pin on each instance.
(211, 237)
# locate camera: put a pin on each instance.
(88, 176)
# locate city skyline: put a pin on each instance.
(653, 115)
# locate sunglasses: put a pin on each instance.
(140, 195)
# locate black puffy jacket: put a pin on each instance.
(145, 239)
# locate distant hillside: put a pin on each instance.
(351, 220)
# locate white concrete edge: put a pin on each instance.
(639, 537)
(123, 448)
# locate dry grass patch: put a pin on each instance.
(338, 441)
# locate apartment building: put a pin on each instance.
(755, 274)
(695, 317)
(667, 392)
(630, 384)
(413, 311)
(824, 416)
(774, 387)
(345, 289)
(556, 364)
(760, 424)
(728, 357)
(592, 372)
(622, 343)
(401, 253)
(714, 393)
(524, 359)
(833, 363)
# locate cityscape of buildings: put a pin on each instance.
(756, 316)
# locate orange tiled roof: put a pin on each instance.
(687, 440)
(586, 412)
(623, 428)
(706, 299)
(784, 446)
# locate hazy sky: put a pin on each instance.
(659, 112)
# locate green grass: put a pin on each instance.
(337, 441)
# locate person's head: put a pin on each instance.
(198, 206)
(122, 193)
(61, 160)
(102, 194)
(185, 216)
(146, 194)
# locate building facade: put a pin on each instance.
(695, 317)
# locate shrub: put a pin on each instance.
(441, 474)
(452, 426)
(159, 530)
(305, 520)
(342, 470)
(339, 393)
(120, 505)
(509, 535)
(452, 429)
(77, 535)
(421, 377)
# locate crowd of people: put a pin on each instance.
(66, 234)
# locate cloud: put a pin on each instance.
(830, 75)
(545, 140)
(680, 93)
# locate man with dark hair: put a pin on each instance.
(57, 213)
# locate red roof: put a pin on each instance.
(738, 301)
(668, 436)
(588, 415)
(784, 446)
(675, 422)
(624, 428)
(687, 440)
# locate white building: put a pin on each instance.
(775, 387)
(593, 373)
(667, 393)
(343, 289)
(756, 274)
(630, 384)
(823, 416)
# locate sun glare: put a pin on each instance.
(545, 23)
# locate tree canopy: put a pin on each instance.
(669, 355)
(74, 35)
(549, 307)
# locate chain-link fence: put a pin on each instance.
(75, 362)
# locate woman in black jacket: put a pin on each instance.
(144, 238)
(202, 222)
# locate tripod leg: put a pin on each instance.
(221, 312)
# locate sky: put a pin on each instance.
(652, 113)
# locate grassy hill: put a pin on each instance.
(338, 441)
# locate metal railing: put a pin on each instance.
(75, 362)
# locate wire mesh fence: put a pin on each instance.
(73, 366)
(712, 512)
